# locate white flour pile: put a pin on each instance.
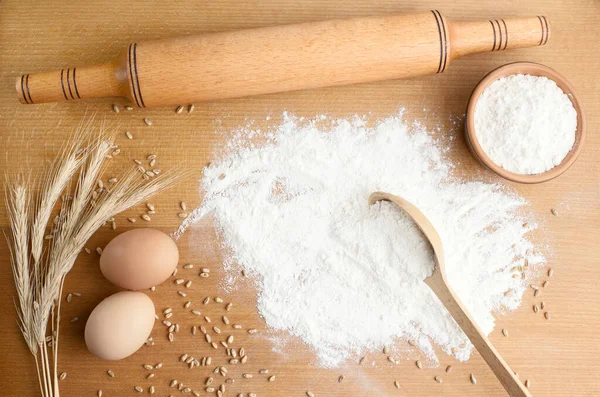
(525, 124)
(346, 277)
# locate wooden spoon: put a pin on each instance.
(437, 283)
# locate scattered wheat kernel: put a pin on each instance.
(138, 389)
(168, 315)
(146, 218)
(448, 368)
(243, 353)
(210, 389)
(472, 378)
(110, 373)
(547, 315)
(527, 383)
(158, 365)
(271, 378)
(113, 225)
(191, 108)
(147, 121)
(138, 162)
(225, 320)
(69, 297)
(188, 266)
(205, 275)
(156, 171)
(188, 284)
(187, 304)
(179, 109)
(99, 250)
(128, 107)
(244, 359)
(534, 287)
(340, 378)
(207, 319)
(545, 284)
(115, 108)
(438, 379)
(183, 357)
(310, 394)
(244, 273)
(362, 359)
(148, 366)
(174, 272)
(203, 329)
(217, 329)
(150, 376)
(536, 292)
(208, 338)
(128, 135)
(179, 281)
(224, 344)
(233, 361)
(62, 376)
(504, 332)
(553, 211)
(236, 326)
(550, 272)
(171, 337)
(535, 308)
(87, 250)
(252, 331)
(151, 390)
(397, 384)
(386, 350)
(73, 319)
(419, 364)
(218, 300)
(132, 220)
(181, 293)
(542, 305)
(247, 376)
(230, 339)
(196, 312)
(229, 306)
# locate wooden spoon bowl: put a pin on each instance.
(534, 69)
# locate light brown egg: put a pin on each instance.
(119, 325)
(139, 259)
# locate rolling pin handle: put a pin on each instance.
(71, 84)
(498, 35)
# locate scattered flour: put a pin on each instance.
(525, 124)
(344, 276)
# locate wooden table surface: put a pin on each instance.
(559, 356)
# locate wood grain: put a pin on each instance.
(559, 356)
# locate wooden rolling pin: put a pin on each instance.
(283, 58)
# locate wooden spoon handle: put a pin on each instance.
(505, 375)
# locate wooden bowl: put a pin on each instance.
(534, 69)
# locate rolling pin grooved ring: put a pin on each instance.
(443, 41)
(62, 84)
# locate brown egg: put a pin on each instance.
(139, 259)
(119, 325)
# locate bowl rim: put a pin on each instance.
(535, 69)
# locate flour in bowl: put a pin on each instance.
(346, 277)
(525, 124)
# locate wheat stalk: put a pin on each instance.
(40, 268)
